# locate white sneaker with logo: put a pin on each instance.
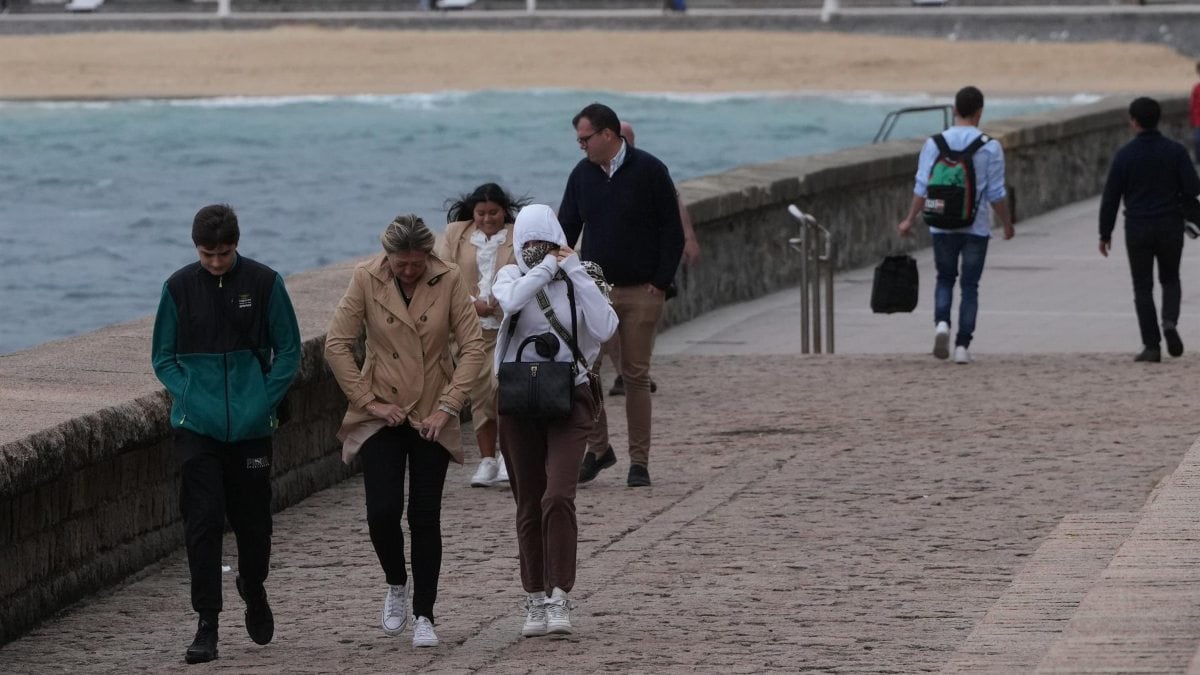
(485, 475)
(535, 615)
(558, 612)
(423, 635)
(501, 473)
(941, 340)
(961, 355)
(395, 610)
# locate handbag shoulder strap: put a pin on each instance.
(544, 303)
(512, 328)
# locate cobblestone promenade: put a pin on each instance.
(832, 514)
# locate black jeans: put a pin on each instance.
(383, 458)
(220, 480)
(1146, 242)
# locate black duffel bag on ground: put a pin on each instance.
(896, 285)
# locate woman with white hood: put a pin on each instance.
(543, 455)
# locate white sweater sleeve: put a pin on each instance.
(599, 319)
(513, 290)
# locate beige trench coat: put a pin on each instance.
(455, 246)
(407, 360)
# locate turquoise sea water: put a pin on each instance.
(96, 198)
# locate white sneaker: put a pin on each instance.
(961, 355)
(501, 473)
(395, 610)
(941, 340)
(535, 615)
(558, 612)
(485, 475)
(423, 635)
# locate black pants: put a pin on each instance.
(220, 480)
(1146, 242)
(383, 458)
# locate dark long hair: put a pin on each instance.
(463, 208)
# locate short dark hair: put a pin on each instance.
(215, 225)
(1146, 112)
(463, 208)
(600, 116)
(968, 101)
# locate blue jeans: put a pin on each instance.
(947, 249)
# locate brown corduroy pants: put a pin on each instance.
(543, 458)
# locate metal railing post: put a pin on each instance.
(816, 266)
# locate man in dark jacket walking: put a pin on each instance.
(226, 346)
(623, 200)
(1152, 174)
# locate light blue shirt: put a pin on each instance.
(989, 175)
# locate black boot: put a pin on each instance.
(260, 623)
(1149, 354)
(204, 648)
(592, 464)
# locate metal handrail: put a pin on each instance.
(889, 121)
(814, 265)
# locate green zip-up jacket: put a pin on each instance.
(205, 336)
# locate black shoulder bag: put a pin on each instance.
(539, 389)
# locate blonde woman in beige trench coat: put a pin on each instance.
(404, 404)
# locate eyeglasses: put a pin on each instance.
(583, 140)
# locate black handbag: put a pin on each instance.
(537, 389)
(896, 285)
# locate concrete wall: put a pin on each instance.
(88, 480)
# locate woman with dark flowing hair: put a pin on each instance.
(479, 240)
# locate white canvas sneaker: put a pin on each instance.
(558, 612)
(961, 355)
(501, 473)
(423, 635)
(485, 475)
(535, 615)
(395, 610)
(941, 340)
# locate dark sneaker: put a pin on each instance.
(639, 476)
(592, 465)
(204, 647)
(1174, 343)
(1150, 355)
(260, 623)
(618, 388)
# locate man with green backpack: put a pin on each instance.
(960, 172)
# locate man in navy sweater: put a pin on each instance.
(627, 201)
(1152, 174)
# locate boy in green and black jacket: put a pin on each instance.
(226, 346)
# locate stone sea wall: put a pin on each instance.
(88, 480)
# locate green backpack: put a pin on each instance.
(950, 201)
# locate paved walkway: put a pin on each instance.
(848, 513)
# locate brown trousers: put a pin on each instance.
(543, 459)
(638, 313)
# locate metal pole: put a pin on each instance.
(804, 347)
(830, 258)
(812, 236)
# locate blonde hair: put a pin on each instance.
(407, 233)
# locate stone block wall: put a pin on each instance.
(88, 480)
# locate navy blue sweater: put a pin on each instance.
(1151, 173)
(633, 228)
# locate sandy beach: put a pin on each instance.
(314, 61)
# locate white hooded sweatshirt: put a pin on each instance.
(516, 287)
